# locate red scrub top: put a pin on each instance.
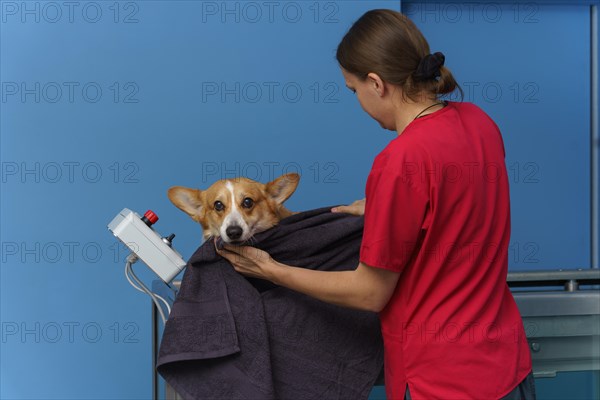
(438, 212)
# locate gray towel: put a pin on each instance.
(230, 337)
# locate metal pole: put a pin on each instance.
(595, 139)
(154, 351)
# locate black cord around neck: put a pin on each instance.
(431, 106)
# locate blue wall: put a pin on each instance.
(105, 105)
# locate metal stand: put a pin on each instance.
(561, 316)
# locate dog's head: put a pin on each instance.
(236, 209)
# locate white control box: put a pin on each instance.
(147, 244)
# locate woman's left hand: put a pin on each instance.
(249, 261)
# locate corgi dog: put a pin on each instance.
(236, 209)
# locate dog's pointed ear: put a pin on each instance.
(186, 199)
(283, 187)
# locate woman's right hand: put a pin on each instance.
(356, 208)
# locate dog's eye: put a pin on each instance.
(219, 206)
(248, 202)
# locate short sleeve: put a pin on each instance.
(395, 214)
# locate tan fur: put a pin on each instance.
(267, 209)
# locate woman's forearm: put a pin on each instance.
(337, 287)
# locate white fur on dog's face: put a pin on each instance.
(236, 209)
(234, 219)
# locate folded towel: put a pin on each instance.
(230, 337)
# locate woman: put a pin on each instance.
(434, 254)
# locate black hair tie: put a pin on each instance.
(429, 67)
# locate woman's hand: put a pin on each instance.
(356, 208)
(249, 261)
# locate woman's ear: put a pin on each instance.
(377, 83)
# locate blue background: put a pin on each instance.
(107, 104)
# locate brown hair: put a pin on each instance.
(389, 44)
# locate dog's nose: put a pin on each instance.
(234, 232)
